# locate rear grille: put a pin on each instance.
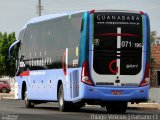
(74, 84)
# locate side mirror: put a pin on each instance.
(10, 51)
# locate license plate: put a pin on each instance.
(117, 92)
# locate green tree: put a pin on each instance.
(7, 66)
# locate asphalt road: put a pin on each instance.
(15, 110)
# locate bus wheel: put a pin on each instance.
(28, 103)
(117, 107)
(62, 104)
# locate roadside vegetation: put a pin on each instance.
(7, 66)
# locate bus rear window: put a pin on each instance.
(117, 37)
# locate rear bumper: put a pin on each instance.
(138, 94)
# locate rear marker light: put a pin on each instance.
(142, 13)
(92, 11)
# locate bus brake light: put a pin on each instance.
(85, 77)
(145, 80)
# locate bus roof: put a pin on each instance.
(126, 11)
(57, 15)
(49, 17)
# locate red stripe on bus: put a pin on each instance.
(25, 73)
(116, 34)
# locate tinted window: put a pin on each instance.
(45, 42)
(117, 37)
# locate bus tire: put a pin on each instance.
(28, 103)
(117, 107)
(63, 106)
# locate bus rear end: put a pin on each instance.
(118, 58)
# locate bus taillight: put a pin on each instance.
(145, 80)
(85, 77)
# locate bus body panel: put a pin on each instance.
(47, 90)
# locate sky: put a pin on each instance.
(15, 13)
